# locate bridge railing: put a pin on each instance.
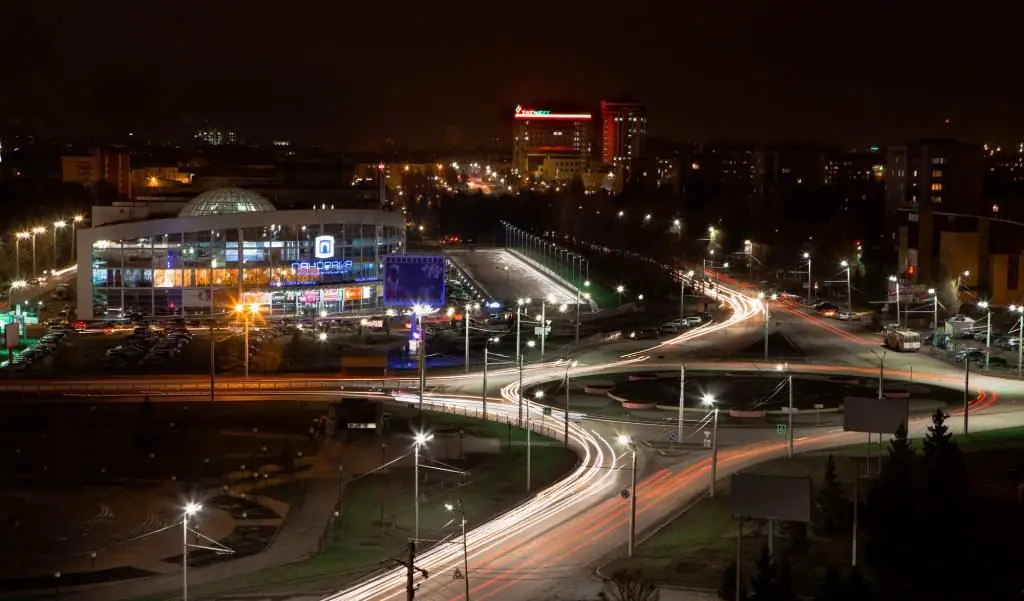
(198, 386)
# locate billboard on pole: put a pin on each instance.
(786, 498)
(874, 416)
(414, 280)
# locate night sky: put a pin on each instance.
(434, 74)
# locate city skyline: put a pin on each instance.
(704, 72)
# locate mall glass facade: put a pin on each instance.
(299, 270)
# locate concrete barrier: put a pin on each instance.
(742, 414)
(628, 404)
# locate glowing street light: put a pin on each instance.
(457, 506)
(191, 510)
(245, 311)
(709, 401)
(896, 280)
(620, 289)
(419, 440)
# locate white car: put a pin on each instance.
(848, 316)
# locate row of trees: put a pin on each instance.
(921, 536)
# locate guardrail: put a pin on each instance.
(203, 386)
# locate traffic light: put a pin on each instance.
(911, 270)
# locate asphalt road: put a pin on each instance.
(487, 266)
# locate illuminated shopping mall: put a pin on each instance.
(229, 245)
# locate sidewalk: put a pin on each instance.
(299, 538)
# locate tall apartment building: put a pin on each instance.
(88, 170)
(623, 137)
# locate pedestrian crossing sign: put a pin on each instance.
(457, 575)
(780, 428)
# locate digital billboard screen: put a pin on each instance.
(414, 280)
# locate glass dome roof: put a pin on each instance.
(225, 201)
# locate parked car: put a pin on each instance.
(848, 316)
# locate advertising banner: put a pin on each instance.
(353, 294)
(414, 280)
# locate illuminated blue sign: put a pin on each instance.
(319, 268)
(324, 247)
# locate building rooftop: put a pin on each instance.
(224, 201)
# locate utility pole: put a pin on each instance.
(714, 454)
(789, 442)
(682, 402)
(967, 384)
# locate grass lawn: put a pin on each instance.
(694, 549)
(377, 515)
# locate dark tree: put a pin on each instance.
(785, 590)
(892, 514)
(764, 584)
(727, 588)
(831, 505)
(856, 587)
(831, 586)
(629, 585)
(798, 541)
(946, 533)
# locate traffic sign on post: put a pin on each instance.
(457, 575)
(780, 428)
(547, 411)
(671, 436)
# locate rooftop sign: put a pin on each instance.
(525, 113)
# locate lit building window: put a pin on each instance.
(936, 187)
(937, 173)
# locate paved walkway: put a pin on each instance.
(298, 539)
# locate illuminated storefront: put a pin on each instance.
(292, 262)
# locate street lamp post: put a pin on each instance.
(213, 351)
(849, 290)
(483, 394)
(465, 322)
(566, 432)
(190, 511)
(519, 314)
(810, 286)
(709, 401)
(628, 442)
(896, 280)
(418, 312)
(748, 246)
(544, 322)
(35, 232)
(1020, 337)
(10, 292)
(74, 223)
(789, 413)
(56, 226)
(247, 311)
(465, 551)
(935, 312)
(620, 289)
(420, 440)
(682, 403)
(988, 332)
(17, 252)
(767, 317)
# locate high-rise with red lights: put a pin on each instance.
(550, 146)
(623, 136)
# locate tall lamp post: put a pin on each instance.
(1020, 336)
(620, 289)
(519, 315)
(849, 290)
(56, 226)
(628, 443)
(246, 312)
(191, 510)
(810, 284)
(10, 297)
(682, 292)
(767, 317)
(566, 432)
(420, 440)
(789, 414)
(465, 322)
(748, 248)
(35, 232)
(17, 252)
(709, 402)
(465, 553)
(896, 280)
(74, 224)
(483, 394)
(935, 312)
(988, 331)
